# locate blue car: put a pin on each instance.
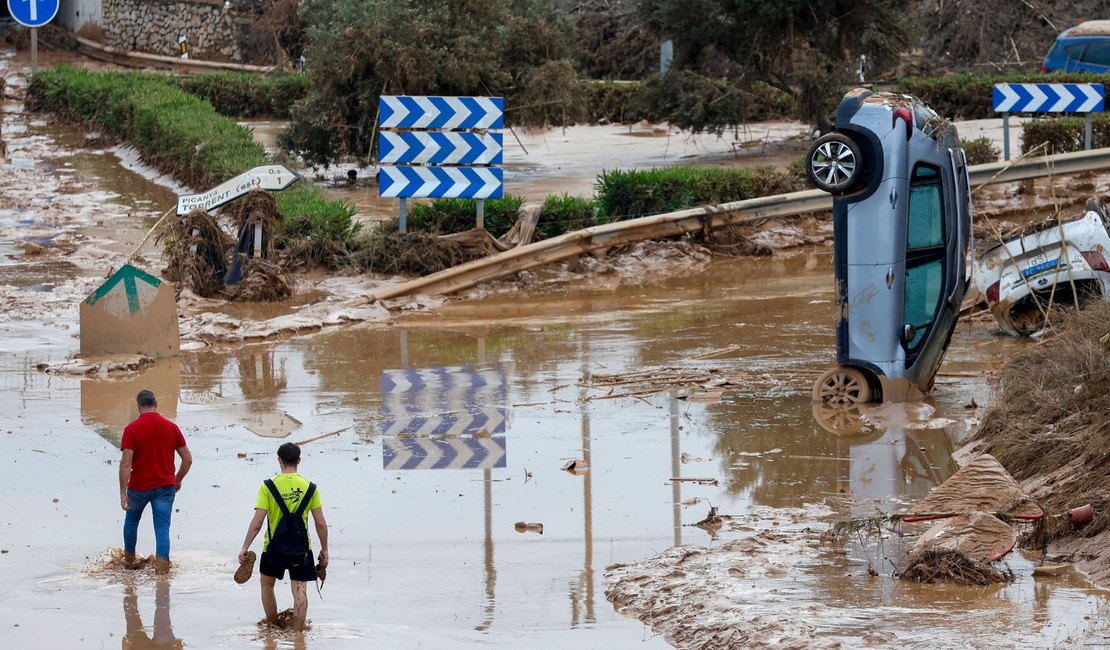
(1083, 48)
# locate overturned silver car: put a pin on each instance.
(1045, 266)
(902, 232)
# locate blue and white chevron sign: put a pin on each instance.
(444, 453)
(445, 113)
(441, 182)
(440, 148)
(1048, 98)
(445, 400)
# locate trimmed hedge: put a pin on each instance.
(970, 97)
(627, 194)
(1064, 134)
(182, 135)
(445, 216)
(240, 94)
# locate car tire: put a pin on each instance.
(842, 386)
(834, 163)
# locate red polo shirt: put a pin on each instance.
(154, 439)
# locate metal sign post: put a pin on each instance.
(33, 14)
(440, 147)
(1047, 98)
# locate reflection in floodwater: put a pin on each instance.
(874, 454)
(582, 590)
(260, 379)
(108, 405)
(887, 452)
(446, 417)
(136, 637)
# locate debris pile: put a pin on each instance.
(976, 507)
(210, 263)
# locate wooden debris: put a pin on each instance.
(698, 481)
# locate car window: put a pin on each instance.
(926, 217)
(1098, 53)
(924, 285)
(1075, 52)
(925, 252)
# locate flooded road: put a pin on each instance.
(425, 544)
(425, 551)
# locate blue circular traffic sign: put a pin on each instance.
(33, 13)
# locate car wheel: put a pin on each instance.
(842, 385)
(833, 163)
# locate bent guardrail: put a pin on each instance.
(670, 224)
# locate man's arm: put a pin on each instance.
(322, 533)
(252, 532)
(124, 475)
(186, 463)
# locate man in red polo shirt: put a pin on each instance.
(146, 475)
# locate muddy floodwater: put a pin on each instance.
(425, 551)
(436, 540)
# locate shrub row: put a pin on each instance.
(182, 135)
(241, 94)
(1063, 134)
(626, 194)
(970, 97)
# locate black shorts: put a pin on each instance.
(305, 572)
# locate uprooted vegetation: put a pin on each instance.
(201, 256)
(1047, 423)
(182, 135)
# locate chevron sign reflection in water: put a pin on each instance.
(475, 452)
(444, 400)
(446, 417)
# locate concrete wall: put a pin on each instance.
(74, 13)
(214, 30)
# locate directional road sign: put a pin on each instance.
(441, 182)
(131, 312)
(126, 292)
(33, 13)
(266, 177)
(441, 148)
(446, 113)
(444, 453)
(1048, 98)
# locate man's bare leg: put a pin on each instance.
(300, 603)
(269, 600)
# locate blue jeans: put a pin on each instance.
(161, 505)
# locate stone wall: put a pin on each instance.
(215, 30)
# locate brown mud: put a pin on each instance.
(469, 579)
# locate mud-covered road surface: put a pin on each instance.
(425, 546)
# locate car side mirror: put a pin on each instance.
(908, 332)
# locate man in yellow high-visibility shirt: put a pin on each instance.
(287, 545)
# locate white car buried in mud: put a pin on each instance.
(1044, 266)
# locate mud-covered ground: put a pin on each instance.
(427, 555)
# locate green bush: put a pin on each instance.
(446, 216)
(970, 97)
(182, 135)
(626, 194)
(980, 151)
(1064, 134)
(239, 94)
(564, 213)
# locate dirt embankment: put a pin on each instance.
(1048, 426)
